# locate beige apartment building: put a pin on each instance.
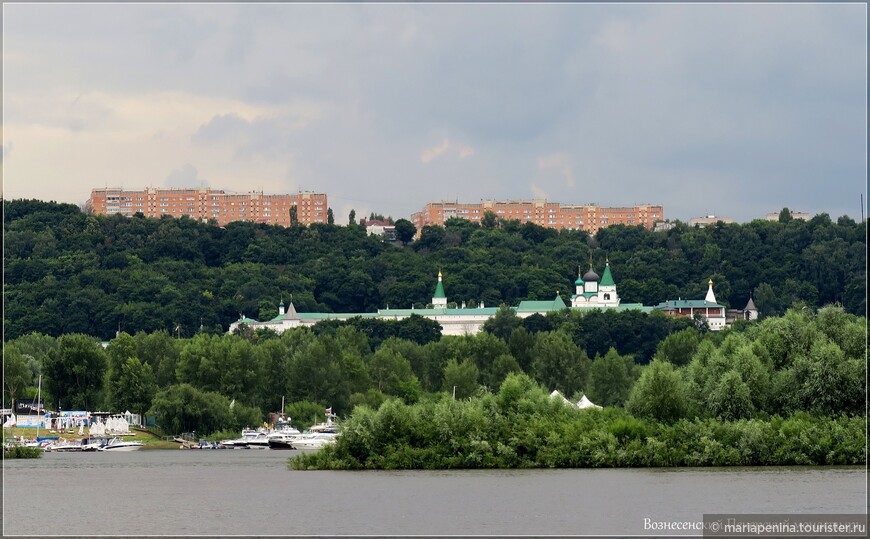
(588, 217)
(204, 204)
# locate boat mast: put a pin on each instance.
(38, 398)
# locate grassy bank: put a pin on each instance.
(521, 427)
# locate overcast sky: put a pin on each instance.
(731, 109)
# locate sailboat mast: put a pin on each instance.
(38, 399)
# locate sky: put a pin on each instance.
(735, 110)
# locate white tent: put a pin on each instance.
(97, 428)
(556, 395)
(586, 403)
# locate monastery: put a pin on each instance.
(590, 292)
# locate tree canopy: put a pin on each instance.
(70, 272)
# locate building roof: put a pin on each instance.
(711, 297)
(290, 314)
(672, 304)
(750, 305)
(471, 311)
(591, 276)
(607, 278)
(439, 289)
(556, 304)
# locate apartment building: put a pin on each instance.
(708, 220)
(588, 217)
(204, 204)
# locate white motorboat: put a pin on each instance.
(258, 440)
(314, 441)
(237, 443)
(280, 440)
(117, 444)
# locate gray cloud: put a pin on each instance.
(186, 176)
(743, 107)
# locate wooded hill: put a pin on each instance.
(68, 272)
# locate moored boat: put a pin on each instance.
(314, 441)
(283, 441)
(117, 444)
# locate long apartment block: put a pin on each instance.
(588, 217)
(204, 204)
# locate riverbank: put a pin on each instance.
(149, 440)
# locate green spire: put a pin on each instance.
(607, 278)
(439, 290)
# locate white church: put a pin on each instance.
(590, 292)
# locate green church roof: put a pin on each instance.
(607, 278)
(439, 289)
(542, 306)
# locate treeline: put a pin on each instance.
(68, 272)
(804, 361)
(521, 427)
(787, 391)
(334, 364)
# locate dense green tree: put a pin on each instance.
(183, 408)
(828, 382)
(537, 323)
(405, 231)
(74, 372)
(660, 393)
(67, 272)
(730, 399)
(502, 367)
(351, 218)
(389, 370)
(16, 374)
(131, 386)
(679, 347)
(503, 323)
(610, 379)
(558, 363)
(121, 347)
(521, 344)
(460, 378)
(161, 352)
(489, 220)
(431, 238)
(330, 217)
(294, 215)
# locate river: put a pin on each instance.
(251, 492)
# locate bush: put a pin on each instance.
(22, 452)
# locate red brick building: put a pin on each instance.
(588, 217)
(204, 204)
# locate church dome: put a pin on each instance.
(591, 276)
